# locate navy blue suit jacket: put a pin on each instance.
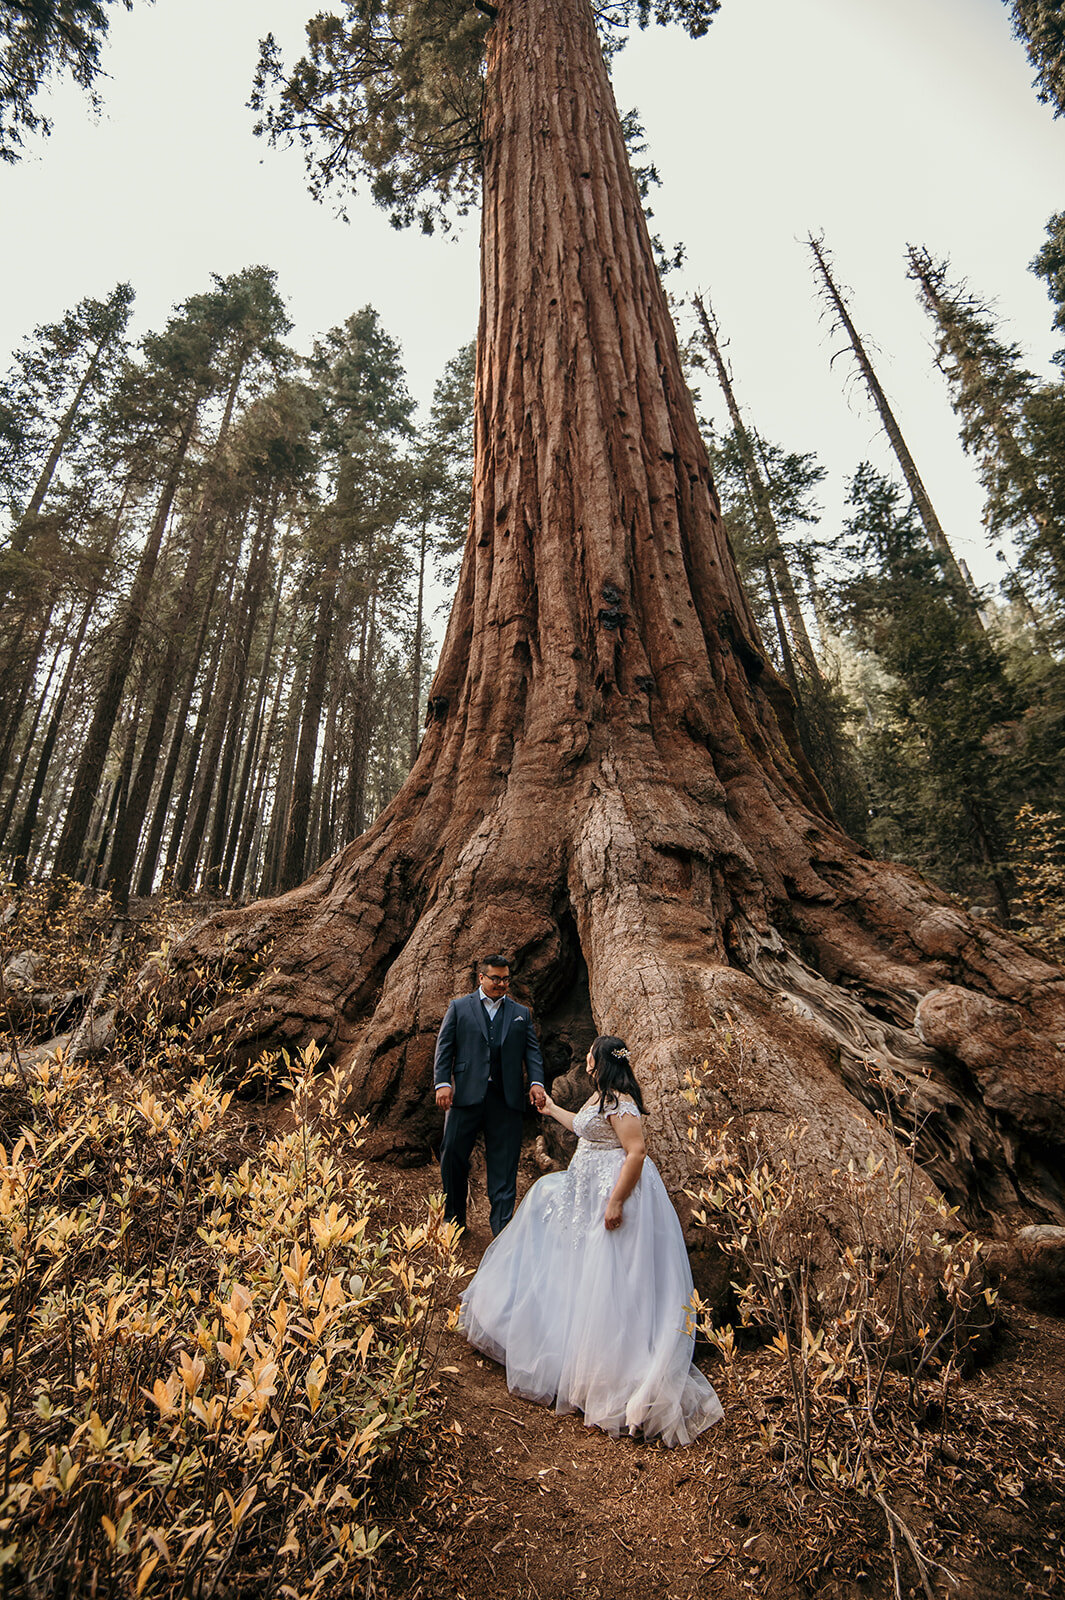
(462, 1051)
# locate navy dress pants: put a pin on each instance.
(502, 1148)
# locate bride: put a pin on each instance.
(585, 1296)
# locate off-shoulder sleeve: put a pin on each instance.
(624, 1108)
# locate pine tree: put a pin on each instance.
(55, 481)
(40, 39)
(161, 402)
(60, 369)
(841, 318)
(366, 408)
(253, 320)
(1049, 264)
(442, 485)
(948, 757)
(1007, 423)
(1040, 25)
(750, 458)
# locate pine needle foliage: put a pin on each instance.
(390, 92)
(1010, 422)
(1040, 25)
(40, 39)
(945, 755)
(1038, 863)
(1049, 264)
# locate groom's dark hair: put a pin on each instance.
(613, 1071)
(492, 961)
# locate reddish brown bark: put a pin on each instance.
(610, 771)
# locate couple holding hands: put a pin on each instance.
(585, 1296)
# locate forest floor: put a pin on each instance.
(504, 1500)
(518, 1502)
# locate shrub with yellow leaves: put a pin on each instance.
(868, 1353)
(203, 1365)
(1037, 860)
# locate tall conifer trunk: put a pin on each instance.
(778, 571)
(109, 697)
(610, 770)
(952, 573)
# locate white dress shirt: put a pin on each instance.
(491, 1005)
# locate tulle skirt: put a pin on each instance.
(590, 1320)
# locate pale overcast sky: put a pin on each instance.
(879, 121)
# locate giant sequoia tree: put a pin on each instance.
(609, 780)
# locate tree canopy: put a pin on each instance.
(1040, 25)
(40, 39)
(390, 92)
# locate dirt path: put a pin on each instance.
(520, 1504)
(527, 1503)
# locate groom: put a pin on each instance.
(485, 1041)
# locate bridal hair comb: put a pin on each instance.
(622, 1054)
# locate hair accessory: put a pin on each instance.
(622, 1054)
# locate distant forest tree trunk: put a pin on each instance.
(297, 826)
(241, 828)
(127, 836)
(20, 850)
(778, 572)
(417, 641)
(109, 698)
(610, 774)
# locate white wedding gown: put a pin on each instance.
(590, 1320)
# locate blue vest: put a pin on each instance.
(495, 1044)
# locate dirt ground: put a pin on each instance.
(514, 1501)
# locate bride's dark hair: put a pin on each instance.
(613, 1071)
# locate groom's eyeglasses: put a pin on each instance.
(487, 977)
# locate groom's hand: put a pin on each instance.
(444, 1096)
(538, 1096)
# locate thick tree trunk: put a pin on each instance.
(610, 770)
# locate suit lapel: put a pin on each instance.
(509, 1009)
(478, 1012)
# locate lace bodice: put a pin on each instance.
(593, 1126)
